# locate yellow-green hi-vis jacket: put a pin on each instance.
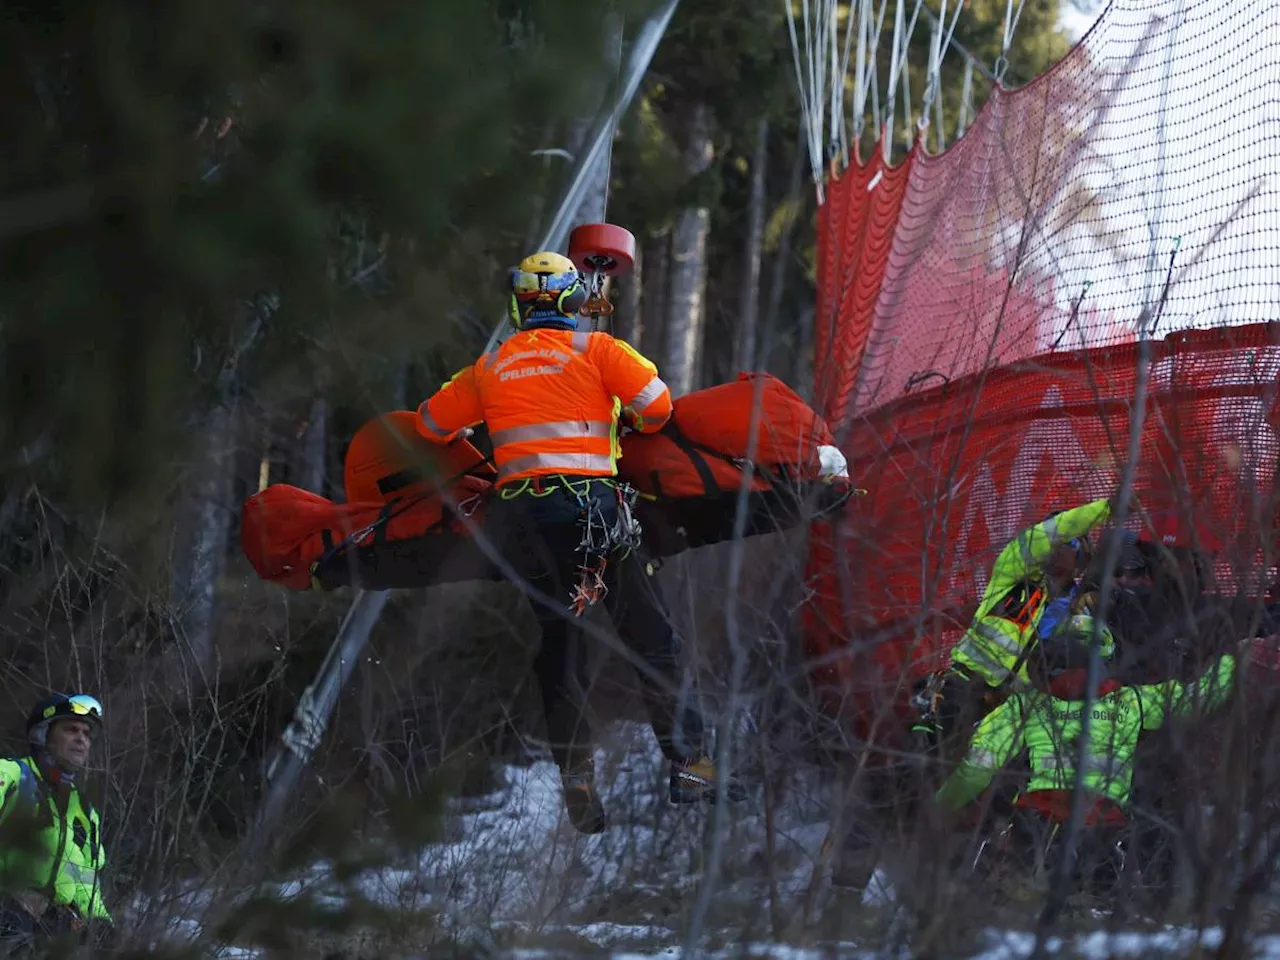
(1048, 729)
(1015, 598)
(64, 858)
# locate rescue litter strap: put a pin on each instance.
(775, 476)
(394, 509)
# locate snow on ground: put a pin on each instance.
(1173, 942)
(1004, 946)
(512, 874)
(520, 866)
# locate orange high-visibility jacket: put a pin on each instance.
(551, 400)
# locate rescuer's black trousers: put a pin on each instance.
(25, 935)
(1100, 854)
(541, 536)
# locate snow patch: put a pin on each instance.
(514, 874)
(1101, 945)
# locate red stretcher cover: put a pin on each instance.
(396, 531)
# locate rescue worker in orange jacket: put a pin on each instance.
(551, 397)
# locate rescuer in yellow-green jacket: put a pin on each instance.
(1045, 724)
(1019, 590)
(1038, 565)
(51, 851)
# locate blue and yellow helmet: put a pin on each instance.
(546, 288)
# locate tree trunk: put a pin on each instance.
(804, 353)
(398, 387)
(203, 523)
(782, 260)
(203, 538)
(745, 349)
(653, 296)
(311, 448)
(686, 310)
(628, 324)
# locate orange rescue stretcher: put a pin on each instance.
(750, 448)
(413, 507)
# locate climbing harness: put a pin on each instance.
(1021, 604)
(926, 705)
(602, 540)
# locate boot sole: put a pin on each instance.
(703, 793)
(592, 828)
(589, 821)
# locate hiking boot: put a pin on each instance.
(582, 802)
(697, 779)
(854, 868)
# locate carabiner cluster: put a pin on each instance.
(602, 540)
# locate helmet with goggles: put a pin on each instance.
(62, 706)
(546, 288)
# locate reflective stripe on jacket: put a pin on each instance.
(1049, 729)
(551, 400)
(993, 643)
(66, 857)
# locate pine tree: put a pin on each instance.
(273, 187)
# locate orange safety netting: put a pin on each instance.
(979, 312)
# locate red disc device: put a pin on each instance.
(602, 248)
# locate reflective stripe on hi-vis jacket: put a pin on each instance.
(551, 400)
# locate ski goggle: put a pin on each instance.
(81, 705)
(531, 286)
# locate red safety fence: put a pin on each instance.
(954, 473)
(978, 320)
